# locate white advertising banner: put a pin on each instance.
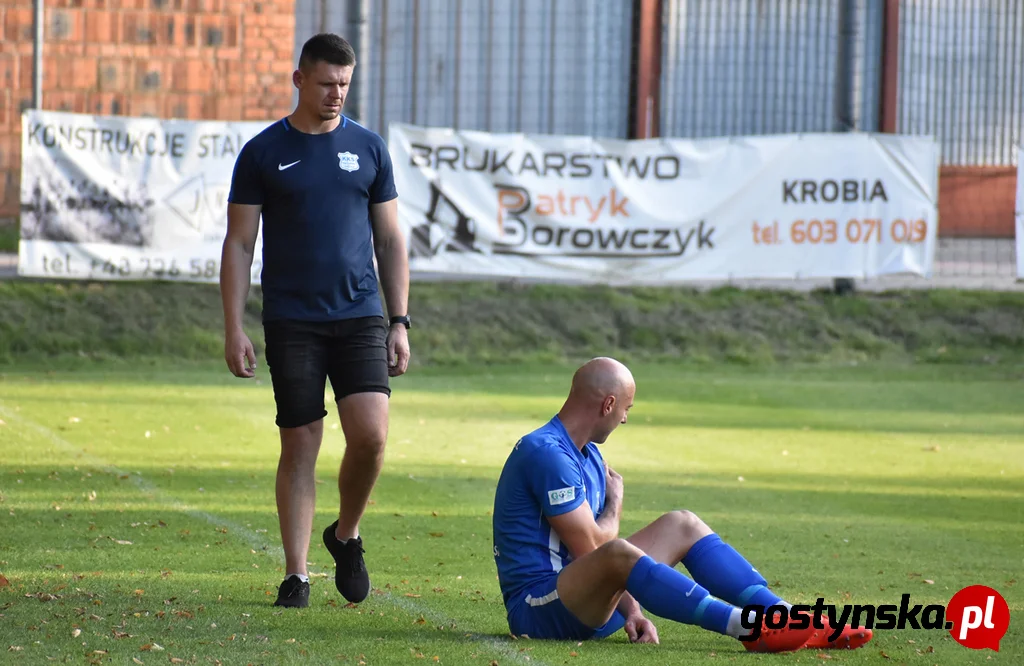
(1020, 212)
(117, 198)
(666, 210)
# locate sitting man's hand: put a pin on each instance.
(641, 630)
(613, 483)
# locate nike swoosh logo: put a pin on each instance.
(691, 590)
(282, 167)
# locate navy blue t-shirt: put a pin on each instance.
(316, 191)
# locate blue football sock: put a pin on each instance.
(718, 567)
(667, 593)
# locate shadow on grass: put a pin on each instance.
(815, 392)
(912, 417)
(406, 494)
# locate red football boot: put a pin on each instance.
(850, 639)
(779, 640)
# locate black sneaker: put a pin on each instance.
(350, 576)
(293, 593)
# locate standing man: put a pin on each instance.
(325, 189)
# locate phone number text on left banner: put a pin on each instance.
(102, 261)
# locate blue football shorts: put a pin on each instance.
(540, 614)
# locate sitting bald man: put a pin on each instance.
(565, 574)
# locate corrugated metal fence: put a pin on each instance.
(503, 65)
(961, 77)
(496, 65)
(727, 67)
(735, 67)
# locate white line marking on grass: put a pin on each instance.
(251, 538)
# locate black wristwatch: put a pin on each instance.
(403, 319)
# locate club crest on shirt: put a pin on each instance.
(348, 161)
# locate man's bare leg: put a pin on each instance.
(682, 537)
(364, 420)
(592, 586)
(296, 491)
(670, 537)
(714, 564)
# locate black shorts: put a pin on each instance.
(302, 355)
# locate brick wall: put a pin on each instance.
(977, 202)
(210, 59)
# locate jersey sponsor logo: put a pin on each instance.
(282, 167)
(348, 162)
(561, 496)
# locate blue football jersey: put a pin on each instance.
(544, 475)
(316, 191)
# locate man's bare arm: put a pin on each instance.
(235, 268)
(392, 257)
(581, 534)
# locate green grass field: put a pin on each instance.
(137, 517)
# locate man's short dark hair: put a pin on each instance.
(327, 47)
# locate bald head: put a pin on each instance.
(601, 377)
(601, 395)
